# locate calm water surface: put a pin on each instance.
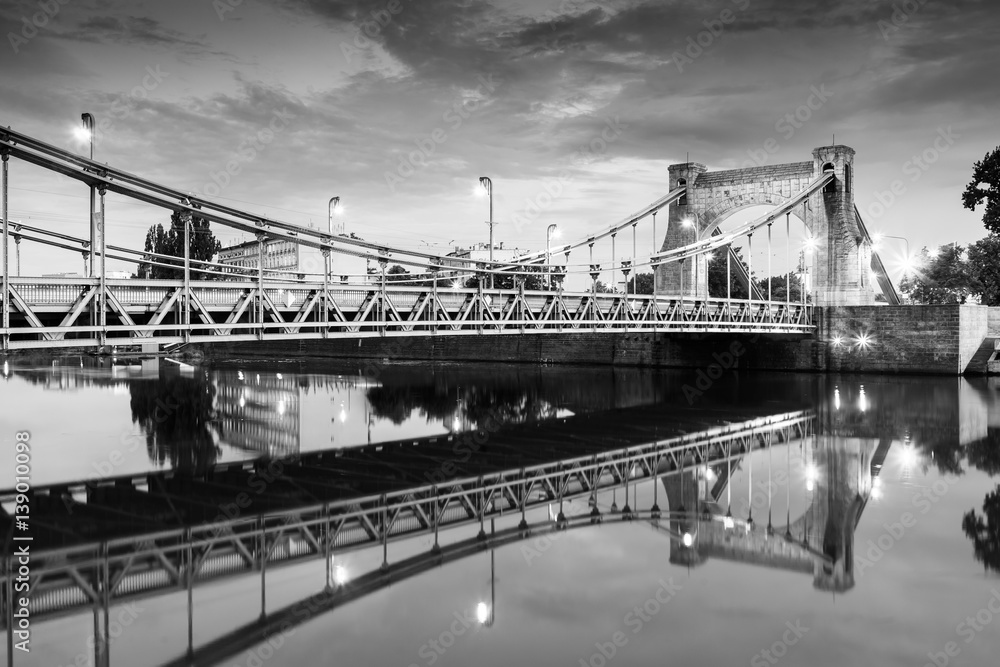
(917, 543)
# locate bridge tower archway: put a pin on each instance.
(842, 257)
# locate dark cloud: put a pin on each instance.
(135, 31)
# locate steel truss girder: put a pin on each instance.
(68, 580)
(389, 311)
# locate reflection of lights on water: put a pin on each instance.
(6, 369)
(482, 612)
(863, 400)
(243, 402)
(727, 522)
(279, 376)
(239, 375)
(687, 539)
(812, 474)
(281, 408)
(258, 378)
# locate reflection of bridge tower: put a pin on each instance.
(819, 541)
(258, 412)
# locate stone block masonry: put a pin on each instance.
(918, 340)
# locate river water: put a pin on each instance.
(902, 467)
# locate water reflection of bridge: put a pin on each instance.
(378, 495)
(839, 482)
(101, 542)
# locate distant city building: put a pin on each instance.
(258, 413)
(481, 253)
(286, 259)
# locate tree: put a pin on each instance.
(984, 454)
(179, 419)
(780, 286)
(717, 276)
(534, 279)
(945, 278)
(397, 273)
(603, 288)
(641, 283)
(203, 246)
(984, 531)
(985, 185)
(984, 265)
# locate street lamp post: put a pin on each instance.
(333, 208)
(548, 255)
(906, 259)
(87, 132)
(487, 189)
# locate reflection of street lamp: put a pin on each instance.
(486, 613)
(86, 132)
(486, 188)
(549, 232)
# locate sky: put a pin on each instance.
(573, 108)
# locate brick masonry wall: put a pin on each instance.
(904, 339)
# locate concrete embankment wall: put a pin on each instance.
(993, 322)
(901, 339)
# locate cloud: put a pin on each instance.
(136, 31)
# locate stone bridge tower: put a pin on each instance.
(838, 268)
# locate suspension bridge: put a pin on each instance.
(213, 302)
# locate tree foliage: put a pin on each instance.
(780, 287)
(641, 283)
(941, 279)
(984, 266)
(203, 246)
(535, 279)
(178, 417)
(717, 276)
(985, 186)
(984, 531)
